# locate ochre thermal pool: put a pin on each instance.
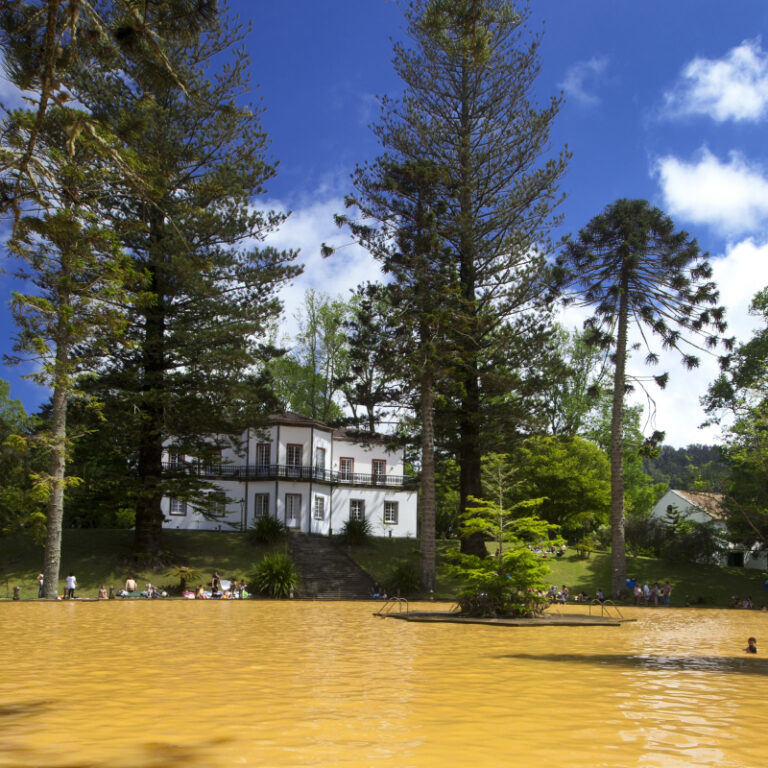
(210, 683)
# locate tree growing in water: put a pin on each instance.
(631, 266)
(509, 583)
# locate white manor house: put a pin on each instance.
(309, 475)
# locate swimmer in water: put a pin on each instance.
(751, 646)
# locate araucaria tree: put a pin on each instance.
(468, 69)
(631, 266)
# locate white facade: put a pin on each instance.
(308, 475)
(706, 508)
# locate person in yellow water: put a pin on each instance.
(751, 646)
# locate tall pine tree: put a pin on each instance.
(468, 70)
(193, 365)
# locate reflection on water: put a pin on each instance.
(316, 684)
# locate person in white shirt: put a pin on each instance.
(71, 586)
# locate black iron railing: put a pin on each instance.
(285, 472)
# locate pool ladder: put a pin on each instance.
(390, 605)
(605, 608)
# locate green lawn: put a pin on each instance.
(703, 584)
(103, 557)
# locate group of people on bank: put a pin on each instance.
(653, 595)
(221, 589)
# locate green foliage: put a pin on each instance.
(186, 576)
(403, 578)
(356, 532)
(641, 491)
(275, 576)
(479, 192)
(307, 379)
(194, 360)
(19, 509)
(739, 399)
(573, 475)
(267, 530)
(504, 585)
(646, 536)
(693, 468)
(692, 541)
(447, 519)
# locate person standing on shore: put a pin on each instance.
(71, 586)
(40, 579)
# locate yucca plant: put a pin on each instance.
(356, 532)
(267, 530)
(275, 576)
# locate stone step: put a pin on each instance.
(326, 572)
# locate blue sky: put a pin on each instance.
(666, 101)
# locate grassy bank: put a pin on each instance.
(103, 557)
(703, 584)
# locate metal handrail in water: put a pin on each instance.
(605, 607)
(389, 606)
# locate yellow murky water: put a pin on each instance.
(211, 683)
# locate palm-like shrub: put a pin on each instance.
(267, 530)
(356, 532)
(185, 575)
(275, 576)
(404, 579)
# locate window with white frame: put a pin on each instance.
(292, 509)
(346, 468)
(357, 509)
(319, 458)
(263, 454)
(260, 505)
(218, 506)
(319, 510)
(175, 460)
(177, 507)
(378, 470)
(390, 512)
(293, 453)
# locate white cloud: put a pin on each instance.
(731, 197)
(732, 88)
(582, 76)
(307, 228)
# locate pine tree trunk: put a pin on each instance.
(57, 466)
(618, 552)
(470, 479)
(427, 532)
(149, 516)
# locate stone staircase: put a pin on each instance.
(326, 572)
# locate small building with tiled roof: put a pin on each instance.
(704, 507)
(698, 506)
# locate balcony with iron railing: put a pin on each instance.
(211, 471)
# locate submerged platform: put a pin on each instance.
(555, 620)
